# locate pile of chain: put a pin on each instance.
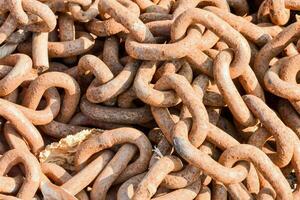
(149, 99)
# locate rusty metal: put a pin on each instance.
(57, 129)
(71, 98)
(26, 129)
(117, 136)
(118, 164)
(22, 67)
(67, 32)
(263, 58)
(32, 171)
(231, 96)
(149, 99)
(81, 45)
(58, 175)
(115, 114)
(102, 90)
(83, 15)
(148, 186)
(75, 184)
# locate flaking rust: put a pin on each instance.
(149, 99)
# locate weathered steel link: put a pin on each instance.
(80, 119)
(32, 171)
(278, 13)
(222, 29)
(39, 9)
(200, 118)
(22, 65)
(83, 15)
(113, 137)
(289, 116)
(64, 49)
(164, 51)
(18, 16)
(59, 175)
(75, 184)
(148, 94)
(115, 114)
(276, 127)
(148, 186)
(66, 31)
(7, 28)
(25, 129)
(273, 48)
(118, 164)
(231, 96)
(100, 91)
(149, 99)
(122, 15)
(280, 87)
(189, 152)
(110, 26)
(257, 157)
(111, 55)
(60, 130)
(37, 88)
(252, 32)
(40, 52)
